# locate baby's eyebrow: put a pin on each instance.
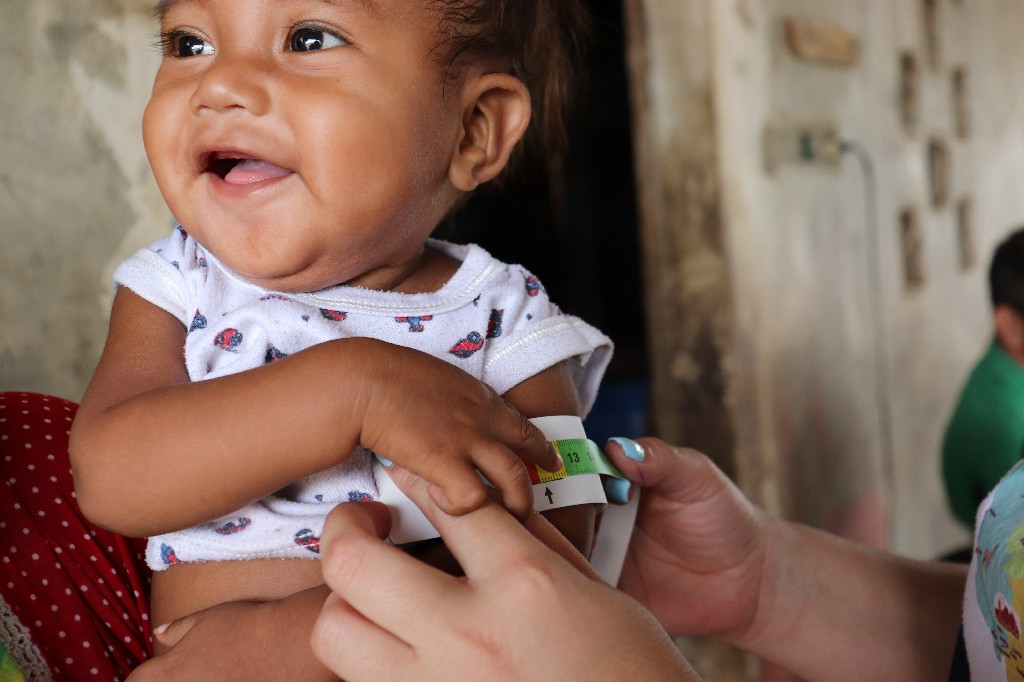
(163, 6)
(368, 5)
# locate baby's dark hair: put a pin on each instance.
(1006, 274)
(538, 41)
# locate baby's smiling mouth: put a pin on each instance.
(237, 169)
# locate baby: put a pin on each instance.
(263, 352)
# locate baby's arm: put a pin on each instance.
(550, 393)
(286, 623)
(146, 438)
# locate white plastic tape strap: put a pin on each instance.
(578, 482)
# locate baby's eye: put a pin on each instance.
(309, 38)
(185, 45)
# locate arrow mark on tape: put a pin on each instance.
(548, 494)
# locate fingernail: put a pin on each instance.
(630, 448)
(617, 490)
(386, 462)
(161, 629)
(558, 458)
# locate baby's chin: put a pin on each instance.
(287, 281)
(280, 272)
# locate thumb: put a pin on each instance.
(674, 473)
(171, 633)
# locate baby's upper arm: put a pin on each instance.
(144, 350)
(551, 393)
(546, 394)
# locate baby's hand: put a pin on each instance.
(444, 425)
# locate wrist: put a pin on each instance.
(366, 359)
(290, 624)
(768, 574)
(353, 368)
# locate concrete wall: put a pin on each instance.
(840, 364)
(858, 367)
(789, 339)
(76, 194)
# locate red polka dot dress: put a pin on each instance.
(77, 592)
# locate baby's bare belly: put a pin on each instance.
(186, 588)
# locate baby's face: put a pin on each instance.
(305, 143)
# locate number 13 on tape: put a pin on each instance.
(583, 463)
(579, 456)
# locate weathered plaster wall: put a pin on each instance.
(859, 369)
(839, 374)
(836, 373)
(76, 194)
(685, 275)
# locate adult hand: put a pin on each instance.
(703, 559)
(529, 607)
(697, 554)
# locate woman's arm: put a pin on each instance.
(837, 610)
(704, 560)
(146, 438)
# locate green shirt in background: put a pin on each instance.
(985, 436)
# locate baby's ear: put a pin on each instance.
(496, 112)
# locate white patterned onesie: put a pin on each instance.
(492, 320)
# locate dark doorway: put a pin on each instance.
(577, 229)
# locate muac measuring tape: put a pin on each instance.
(583, 463)
(577, 482)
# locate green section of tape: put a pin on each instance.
(582, 456)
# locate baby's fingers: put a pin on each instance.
(504, 470)
(520, 434)
(462, 490)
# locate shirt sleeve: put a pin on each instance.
(155, 273)
(538, 335)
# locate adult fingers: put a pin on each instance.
(676, 473)
(353, 647)
(541, 529)
(378, 580)
(489, 540)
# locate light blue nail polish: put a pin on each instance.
(617, 490)
(386, 462)
(630, 448)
